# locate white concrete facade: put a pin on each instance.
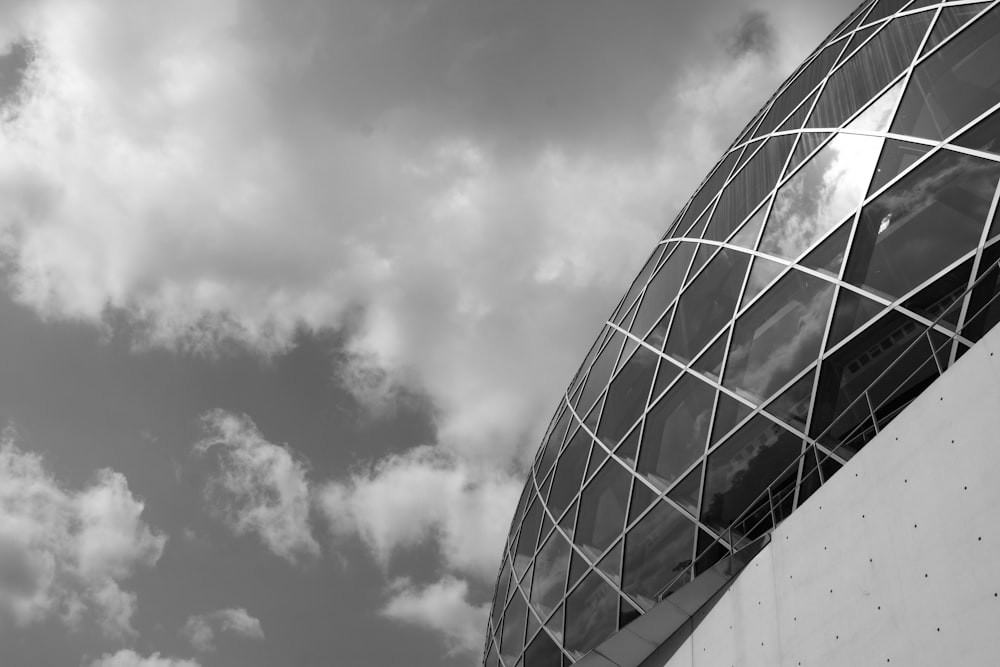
(896, 561)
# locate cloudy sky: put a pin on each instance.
(290, 290)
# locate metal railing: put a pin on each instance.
(785, 492)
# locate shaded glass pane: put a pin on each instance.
(878, 115)
(792, 405)
(658, 334)
(492, 660)
(829, 187)
(576, 386)
(710, 363)
(676, 430)
(626, 355)
(885, 8)
(602, 509)
(526, 493)
(956, 84)
(629, 447)
(668, 371)
(808, 142)
(707, 304)
(568, 522)
(599, 373)
(709, 552)
(924, 222)
(590, 421)
(569, 472)
(743, 467)
(729, 413)
(857, 38)
(656, 550)
(807, 79)
(591, 615)
(626, 613)
(710, 188)
(553, 443)
(501, 593)
(611, 565)
(662, 288)
(749, 187)
(950, 20)
(747, 236)
(984, 306)
(853, 311)
(533, 624)
(704, 253)
(642, 497)
(550, 574)
(811, 479)
(870, 70)
(983, 137)
(851, 370)
(640, 280)
(686, 492)
(897, 156)
(779, 335)
(528, 539)
(794, 122)
(598, 455)
(828, 257)
(555, 623)
(941, 298)
(542, 652)
(761, 275)
(513, 629)
(627, 396)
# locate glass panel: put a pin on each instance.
(569, 472)
(761, 275)
(779, 335)
(550, 574)
(513, 629)
(916, 369)
(794, 122)
(749, 187)
(885, 8)
(526, 582)
(626, 613)
(707, 304)
(642, 497)
(568, 522)
(555, 623)
(602, 509)
(666, 374)
(743, 467)
(850, 371)
(853, 312)
(599, 374)
(640, 280)
(703, 255)
(828, 257)
(710, 363)
(676, 430)
(533, 624)
(747, 236)
(729, 413)
(859, 37)
(629, 447)
(590, 421)
(627, 396)
(950, 20)
(542, 652)
(870, 70)
(611, 564)
(808, 142)
(956, 84)
(897, 156)
(529, 537)
(627, 350)
(591, 615)
(792, 405)
(658, 333)
(983, 137)
(710, 188)
(940, 299)
(598, 455)
(924, 222)
(984, 306)
(553, 443)
(662, 289)
(686, 492)
(878, 116)
(803, 83)
(810, 476)
(526, 493)
(492, 660)
(501, 592)
(821, 194)
(656, 550)
(709, 552)
(581, 374)
(578, 567)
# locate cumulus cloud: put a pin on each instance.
(65, 554)
(201, 629)
(442, 607)
(259, 487)
(129, 658)
(410, 498)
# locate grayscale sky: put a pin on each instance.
(291, 287)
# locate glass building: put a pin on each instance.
(838, 258)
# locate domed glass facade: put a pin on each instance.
(827, 258)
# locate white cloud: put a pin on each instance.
(424, 495)
(259, 487)
(129, 658)
(442, 607)
(66, 554)
(200, 629)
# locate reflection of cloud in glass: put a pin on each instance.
(550, 574)
(825, 190)
(878, 116)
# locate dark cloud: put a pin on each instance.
(754, 35)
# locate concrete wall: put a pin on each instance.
(896, 561)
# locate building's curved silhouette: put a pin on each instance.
(848, 220)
